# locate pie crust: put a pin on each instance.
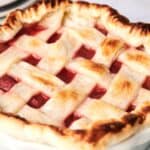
(82, 135)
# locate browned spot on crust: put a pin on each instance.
(133, 118)
(143, 28)
(111, 46)
(101, 130)
(139, 58)
(16, 117)
(141, 118)
(131, 107)
(146, 109)
(22, 119)
(98, 68)
(45, 81)
(58, 130)
(95, 135)
(86, 33)
(112, 127)
(123, 86)
(35, 43)
(68, 95)
(117, 18)
(79, 134)
(126, 85)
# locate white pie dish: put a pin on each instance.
(137, 142)
(22, 5)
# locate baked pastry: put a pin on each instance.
(74, 75)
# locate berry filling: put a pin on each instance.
(97, 92)
(146, 83)
(7, 82)
(70, 119)
(54, 38)
(38, 100)
(85, 52)
(31, 29)
(3, 47)
(115, 67)
(101, 29)
(66, 75)
(32, 59)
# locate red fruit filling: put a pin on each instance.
(32, 59)
(66, 75)
(54, 38)
(70, 119)
(97, 92)
(3, 47)
(38, 100)
(102, 29)
(31, 29)
(85, 52)
(7, 82)
(115, 67)
(146, 83)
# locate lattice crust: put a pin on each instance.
(68, 75)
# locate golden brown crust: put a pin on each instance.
(35, 13)
(95, 138)
(100, 133)
(16, 20)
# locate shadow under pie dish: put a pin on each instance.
(73, 73)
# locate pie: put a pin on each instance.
(73, 75)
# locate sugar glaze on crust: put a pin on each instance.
(101, 134)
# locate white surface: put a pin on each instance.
(5, 2)
(136, 10)
(9, 143)
(134, 142)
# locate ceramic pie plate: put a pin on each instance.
(139, 141)
(9, 5)
(11, 143)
